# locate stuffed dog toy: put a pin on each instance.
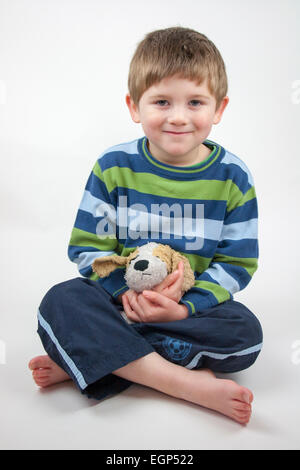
(146, 267)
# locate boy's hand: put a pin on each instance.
(151, 307)
(171, 286)
(159, 304)
(129, 293)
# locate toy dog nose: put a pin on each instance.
(141, 265)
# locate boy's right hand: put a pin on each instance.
(171, 286)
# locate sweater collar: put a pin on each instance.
(188, 171)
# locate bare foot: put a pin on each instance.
(224, 396)
(199, 386)
(45, 372)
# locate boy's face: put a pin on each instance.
(177, 115)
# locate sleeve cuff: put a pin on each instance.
(115, 283)
(190, 306)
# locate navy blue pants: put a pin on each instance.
(82, 330)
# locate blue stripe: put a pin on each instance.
(242, 213)
(207, 298)
(70, 363)
(90, 203)
(129, 148)
(218, 274)
(74, 251)
(85, 259)
(244, 248)
(97, 188)
(213, 355)
(231, 159)
(135, 235)
(86, 222)
(92, 207)
(240, 230)
(237, 273)
(216, 209)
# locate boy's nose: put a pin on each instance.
(177, 118)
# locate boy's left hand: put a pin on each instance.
(151, 306)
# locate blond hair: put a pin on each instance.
(177, 51)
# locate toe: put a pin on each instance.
(40, 373)
(42, 383)
(31, 364)
(39, 362)
(247, 396)
(243, 394)
(242, 418)
(42, 379)
(241, 406)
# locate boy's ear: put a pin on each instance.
(133, 109)
(219, 112)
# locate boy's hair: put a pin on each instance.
(183, 51)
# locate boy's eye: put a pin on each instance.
(195, 103)
(162, 102)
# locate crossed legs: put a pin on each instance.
(196, 386)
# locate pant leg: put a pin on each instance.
(83, 332)
(225, 338)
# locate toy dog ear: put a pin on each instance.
(189, 278)
(172, 259)
(107, 264)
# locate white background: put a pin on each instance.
(63, 80)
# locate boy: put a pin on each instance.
(204, 205)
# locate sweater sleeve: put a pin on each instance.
(236, 256)
(94, 233)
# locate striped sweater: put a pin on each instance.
(208, 212)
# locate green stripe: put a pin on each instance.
(94, 277)
(121, 288)
(198, 263)
(156, 185)
(249, 264)
(82, 238)
(97, 171)
(237, 198)
(218, 291)
(248, 196)
(191, 305)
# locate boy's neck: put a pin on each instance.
(199, 154)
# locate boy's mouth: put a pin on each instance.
(177, 133)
